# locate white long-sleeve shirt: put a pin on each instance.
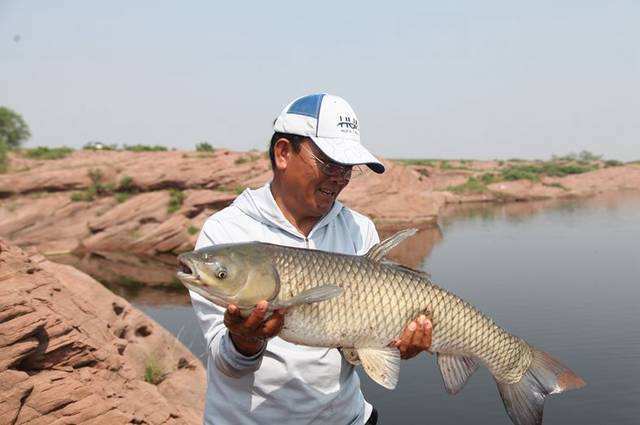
(285, 383)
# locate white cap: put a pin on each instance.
(332, 125)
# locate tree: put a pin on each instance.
(13, 129)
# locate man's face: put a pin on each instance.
(310, 189)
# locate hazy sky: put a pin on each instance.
(429, 79)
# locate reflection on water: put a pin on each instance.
(563, 275)
(139, 279)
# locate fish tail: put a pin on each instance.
(524, 400)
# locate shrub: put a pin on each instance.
(126, 185)
(556, 185)
(424, 162)
(204, 147)
(472, 185)
(4, 160)
(13, 129)
(521, 172)
(176, 197)
(43, 152)
(248, 158)
(144, 148)
(612, 163)
(153, 373)
(122, 197)
(445, 165)
(588, 156)
(488, 178)
(84, 196)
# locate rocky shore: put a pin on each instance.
(154, 203)
(72, 352)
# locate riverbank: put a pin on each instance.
(73, 352)
(154, 203)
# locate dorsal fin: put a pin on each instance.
(379, 250)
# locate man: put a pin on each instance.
(254, 377)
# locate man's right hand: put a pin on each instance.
(250, 334)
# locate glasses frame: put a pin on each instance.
(334, 169)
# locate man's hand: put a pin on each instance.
(415, 338)
(249, 335)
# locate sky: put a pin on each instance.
(427, 79)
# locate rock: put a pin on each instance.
(403, 196)
(72, 352)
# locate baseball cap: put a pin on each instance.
(330, 122)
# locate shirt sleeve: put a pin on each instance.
(224, 354)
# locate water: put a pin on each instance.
(563, 275)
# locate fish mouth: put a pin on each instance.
(185, 271)
(184, 268)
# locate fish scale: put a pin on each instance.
(361, 303)
(383, 299)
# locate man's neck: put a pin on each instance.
(304, 223)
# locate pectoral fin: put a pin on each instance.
(313, 295)
(382, 364)
(456, 370)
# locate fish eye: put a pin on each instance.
(222, 274)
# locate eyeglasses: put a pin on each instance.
(333, 169)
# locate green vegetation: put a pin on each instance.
(445, 165)
(204, 147)
(84, 196)
(96, 188)
(247, 158)
(192, 230)
(424, 162)
(43, 152)
(472, 185)
(124, 190)
(613, 163)
(237, 190)
(122, 197)
(144, 148)
(556, 185)
(126, 185)
(583, 157)
(4, 161)
(176, 197)
(488, 178)
(153, 373)
(13, 129)
(551, 168)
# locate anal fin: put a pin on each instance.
(456, 370)
(382, 364)
(351, 355)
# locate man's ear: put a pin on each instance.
(282, 152)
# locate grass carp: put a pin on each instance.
(359, 304)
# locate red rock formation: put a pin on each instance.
(72, 352)
(37, 209)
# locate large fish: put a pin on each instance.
(361, 303)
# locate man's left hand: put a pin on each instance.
(415, 338)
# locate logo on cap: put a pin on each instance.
(347, 124)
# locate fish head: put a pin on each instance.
(241, 274)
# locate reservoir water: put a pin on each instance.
(564, 275)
